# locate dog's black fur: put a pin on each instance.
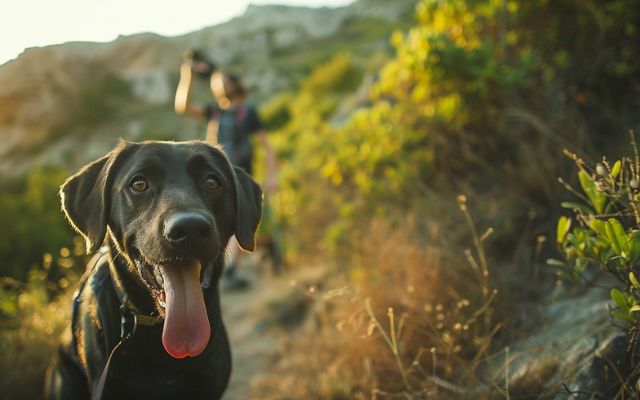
(192, 179)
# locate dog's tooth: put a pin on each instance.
(158, 275)
(161, 300)
(140, 268)
(205, 281)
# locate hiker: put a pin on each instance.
(231, 123)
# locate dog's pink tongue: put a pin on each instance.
(186, 326)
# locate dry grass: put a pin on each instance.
(400, 322)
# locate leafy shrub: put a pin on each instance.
(34, 312)
(608, 232)
(477, 98)
(34, 224)
(30, 336)
(275, 113)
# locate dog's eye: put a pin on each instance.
(212, 182)
(139, 184)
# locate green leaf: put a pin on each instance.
(634, 281)
(619, 299)
(633, 240)
(616, 168)
(623, 316)
(597, 226)
(554, 262)
(564, 224)
(589, 186)
(617, 237)
(635, 308)
(576, 206)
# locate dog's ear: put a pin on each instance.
(248, 208)
(86, 198)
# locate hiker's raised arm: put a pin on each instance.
(183, 103)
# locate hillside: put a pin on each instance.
(457, 213)
(100, 91)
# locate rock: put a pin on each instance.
(152, 86)
(604, 374)
(573, 352)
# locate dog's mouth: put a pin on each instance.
(176, 286)
(152, 277)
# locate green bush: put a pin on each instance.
(607, 235)
(30, 333)
(34, 224)
(477, 99)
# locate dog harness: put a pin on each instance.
(100, 270)
(130, 318)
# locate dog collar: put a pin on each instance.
(130, 314)
(149, 320)
(129, 308)
(130, 319)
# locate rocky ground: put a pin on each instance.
(571, 349)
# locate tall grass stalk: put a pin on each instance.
(392, 341)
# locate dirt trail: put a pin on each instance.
(259, 319)
(253, 348)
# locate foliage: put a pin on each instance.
(337, 75)
(37, 226)
(29, 338)
(275, 113)
(34, 312)
(465, 104)
(478, 99)
(469, 72)
(607, 234)
(302, 141)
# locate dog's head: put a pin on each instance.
(170, 209)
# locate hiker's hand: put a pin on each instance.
(186, 69)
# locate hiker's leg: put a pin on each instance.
(230, 279)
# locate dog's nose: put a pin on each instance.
(187, 227)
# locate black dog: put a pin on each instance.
(146, 319)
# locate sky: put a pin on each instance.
(30, 23)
